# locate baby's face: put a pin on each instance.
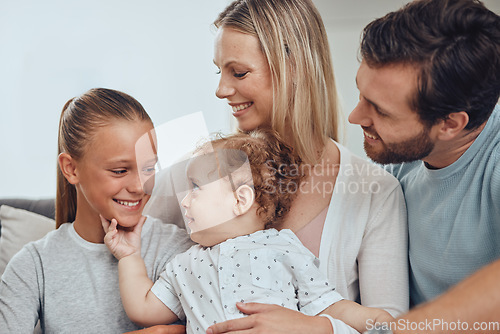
(210, 200)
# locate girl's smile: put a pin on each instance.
(131, 205)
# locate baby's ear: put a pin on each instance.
(245, 198)
(68, 167)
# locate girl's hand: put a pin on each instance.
(122, 242)
(265, 318)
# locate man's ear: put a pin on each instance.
(68, 167)
(245, 196)
(452, 125)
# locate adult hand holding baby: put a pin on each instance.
(162, 329)
(262, 319)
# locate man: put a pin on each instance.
(429, 82)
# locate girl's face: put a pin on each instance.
(245, 78)
(109, 180)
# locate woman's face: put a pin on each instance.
(245, 78)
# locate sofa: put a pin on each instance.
(45, 207)
(21, 221)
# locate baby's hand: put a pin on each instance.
(122, 243)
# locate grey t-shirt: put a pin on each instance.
(71, 285)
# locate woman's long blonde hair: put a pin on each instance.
(293, 38)
(81, 118)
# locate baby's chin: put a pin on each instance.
(214, 235)
(204, 239)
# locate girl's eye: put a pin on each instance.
(239, 75)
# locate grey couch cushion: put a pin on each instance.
(45, 207)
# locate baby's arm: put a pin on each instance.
(357, 316)
(141, 305)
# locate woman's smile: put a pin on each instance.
(240, 108)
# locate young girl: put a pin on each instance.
(67, 279)
(231, 208)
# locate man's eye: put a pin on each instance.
(218, 71)
(240, 75)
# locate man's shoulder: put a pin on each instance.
(402, 170)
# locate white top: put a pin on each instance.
(364, 244)
(268, 266)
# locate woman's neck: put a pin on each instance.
(316, 189)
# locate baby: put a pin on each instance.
(239, 191)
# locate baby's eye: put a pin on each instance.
(149, 170)
(194, 186)
(240, 75)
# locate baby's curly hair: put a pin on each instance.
(275, 168)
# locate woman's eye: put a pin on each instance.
(119, 171)
(378, 111)
(240, 75)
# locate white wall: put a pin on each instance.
(159, 51)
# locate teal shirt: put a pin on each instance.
(453, 215)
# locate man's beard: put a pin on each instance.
(412, 149)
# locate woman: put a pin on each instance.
(276, 72)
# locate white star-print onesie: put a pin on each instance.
(268, 266)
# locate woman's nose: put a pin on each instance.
(224, 89)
